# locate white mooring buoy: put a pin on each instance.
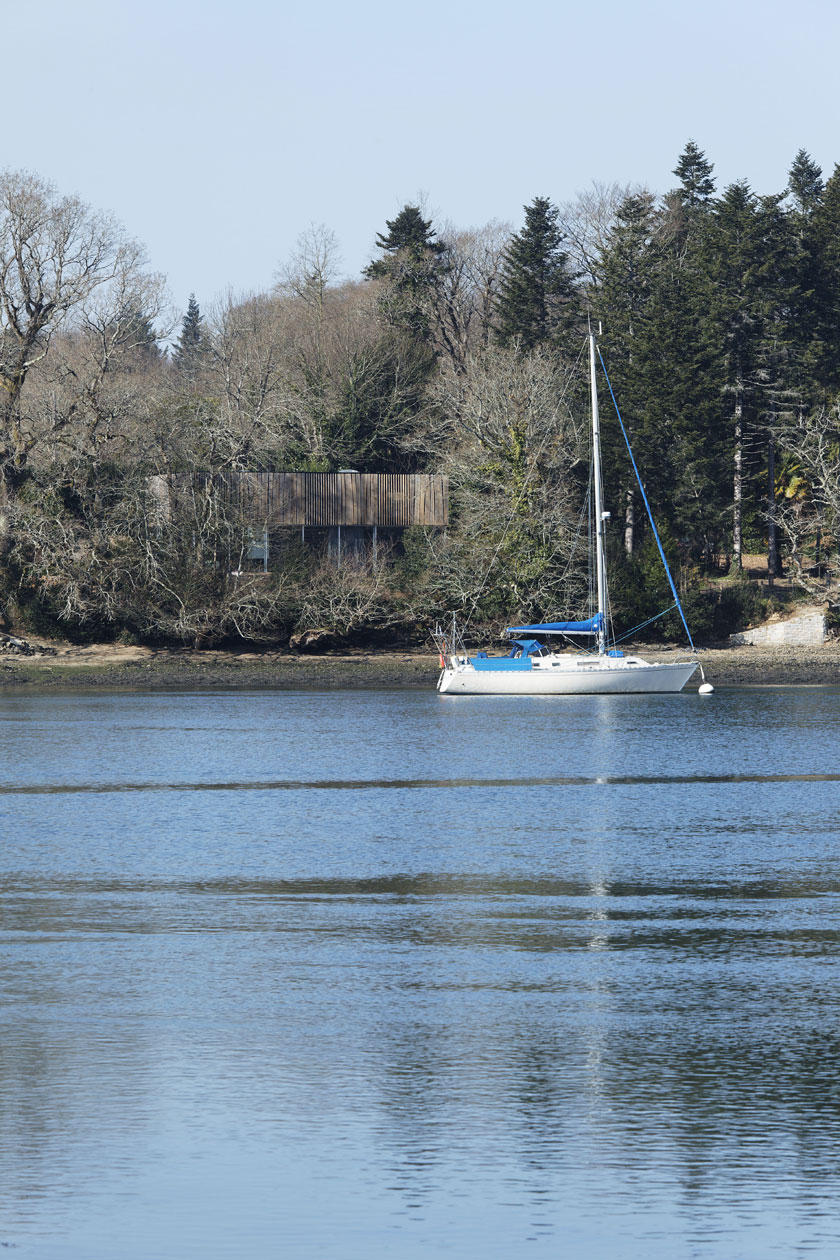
(705, 689)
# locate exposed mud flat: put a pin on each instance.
(754, 666)
(107, 665)
(113, 665)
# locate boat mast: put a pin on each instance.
(600, 515)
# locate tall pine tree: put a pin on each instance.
(677, 431)
(751, 260)
(411, 265)
(697, 185)
(805, 183)
(136, 334)
(778, 375)
(812, 301)
(823, 242)
(537, 302)
(625, 277)
(190, 343)
(410, 238)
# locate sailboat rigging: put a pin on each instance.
(532, 668)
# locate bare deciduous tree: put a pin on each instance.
(461, 303)
(586, 222)
(92, 396)
(118, 561)
(55, 252)
(313, 267)
(809, 514)
(249, 368)
(513, 452)
(350, 597)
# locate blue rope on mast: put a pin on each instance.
(647, 505)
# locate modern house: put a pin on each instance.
(344, 512)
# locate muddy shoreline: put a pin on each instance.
(111, 666)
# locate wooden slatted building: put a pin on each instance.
(343, 512)
(328, 500)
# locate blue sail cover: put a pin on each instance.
(592, 626)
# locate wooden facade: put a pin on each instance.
(384, 500)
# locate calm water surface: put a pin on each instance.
(356, 975)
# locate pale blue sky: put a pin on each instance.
(217, 131)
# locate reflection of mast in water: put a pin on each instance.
(598, 914)
(601, 838)
(594, 1030)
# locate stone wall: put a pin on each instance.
(805, 629)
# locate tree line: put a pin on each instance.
(456, 351)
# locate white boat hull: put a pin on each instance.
(585, 677)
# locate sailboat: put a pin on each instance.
(530, 668)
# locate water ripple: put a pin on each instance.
(355, 785)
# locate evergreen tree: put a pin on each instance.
(377, 403)
(822, 242)
(779, 349)
(752, 271)
(410, 237)
(732, 274)
(537, 303)
(136, 334)
(806, 189)
(191, 341)
(678, 442)
(805, 183)
(412, 264)
(676, 427)
(625, 280)
(694, 172)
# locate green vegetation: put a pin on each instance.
(538, 301)
(456, 352)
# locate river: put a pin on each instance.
(351, 975)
